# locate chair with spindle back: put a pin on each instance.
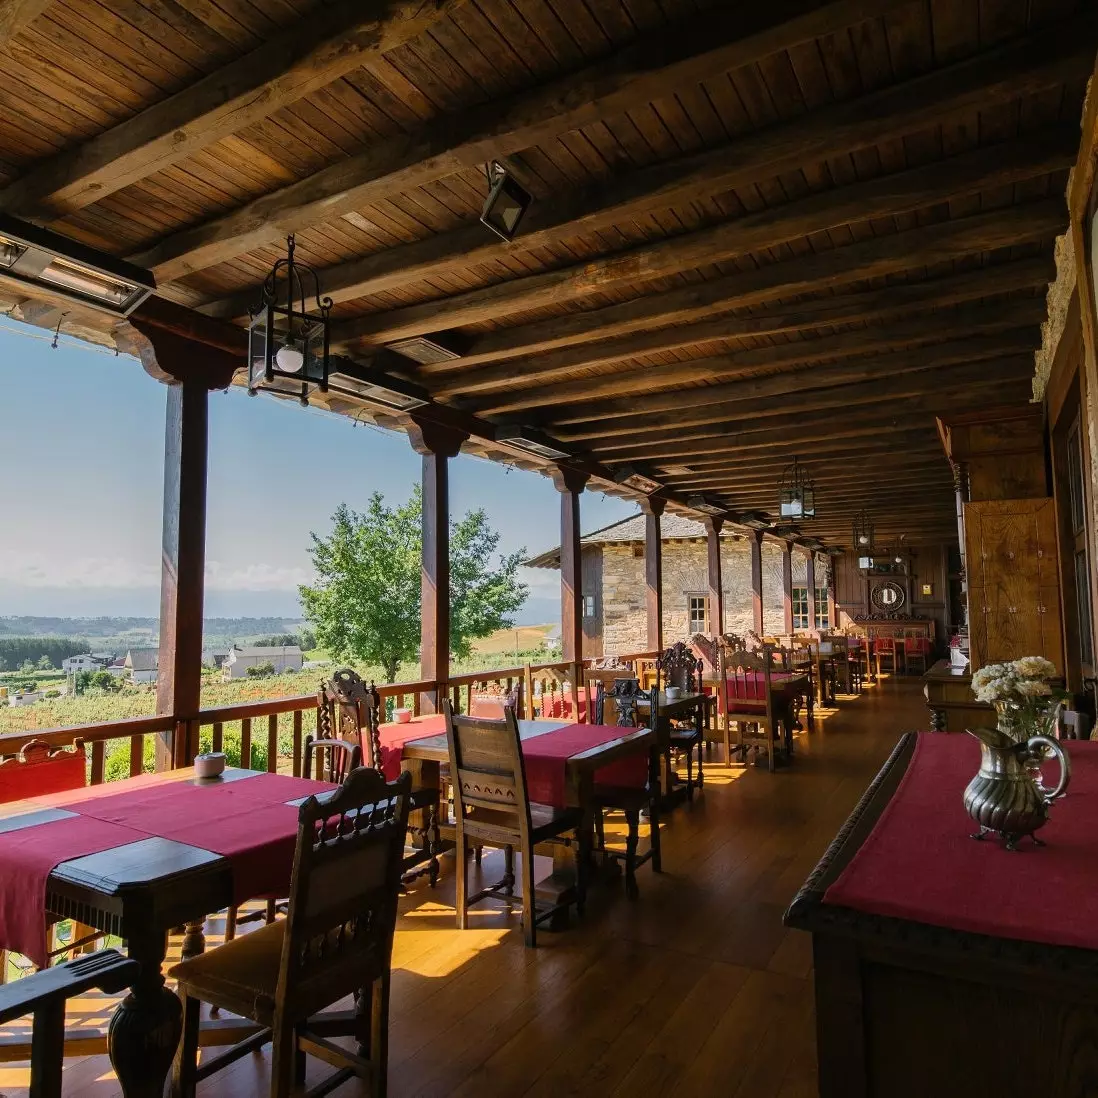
(336, 941)
(491, 808)
(39, 769)
(747, 701)
(619, 705)
(426, 802)
(679, 667)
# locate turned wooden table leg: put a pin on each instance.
(194, 939)
(147, 1024)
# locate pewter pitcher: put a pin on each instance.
(1003, 798)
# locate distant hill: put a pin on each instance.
(30, 626)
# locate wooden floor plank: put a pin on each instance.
(695, 989)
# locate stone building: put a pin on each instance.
(614, 615)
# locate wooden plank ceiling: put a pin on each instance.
(758, 230)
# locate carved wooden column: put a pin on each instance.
(437, 444)
(716, 587)
(757, 580)
(190, 363)
(653, 570)
(570, 484)
(810, 566)
(787, 587)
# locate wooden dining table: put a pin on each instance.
(143, 882)
(687, 706)
(423, 756)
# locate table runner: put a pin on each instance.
(394, 736)
(247, 821)
(919, 863)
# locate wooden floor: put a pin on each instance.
(695, 989)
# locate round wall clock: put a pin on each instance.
(888, 596)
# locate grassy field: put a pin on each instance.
(498, 650)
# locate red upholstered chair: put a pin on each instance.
(491, 705)
(746, 701)
(916, 651)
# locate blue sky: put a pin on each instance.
(81, 448)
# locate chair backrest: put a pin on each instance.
(678, 666)
(616, 703)
(483, 702)
(40, 769)
(344, 890)
(348, 709)
(330, 760)
(488, 772)
(746, 681)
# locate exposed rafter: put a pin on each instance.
(16, 14)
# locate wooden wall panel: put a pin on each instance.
(1014, 591)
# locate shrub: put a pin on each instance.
(117, 763)
(52, 694)
(261, 670)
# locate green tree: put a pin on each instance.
(45, 663)
(366, 602)
(26, 666)
(105, 681)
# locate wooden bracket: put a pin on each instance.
(569, 480)
(429, 437)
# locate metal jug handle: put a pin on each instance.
(1062, 758)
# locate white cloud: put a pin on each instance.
(255, 577)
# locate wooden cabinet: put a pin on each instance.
(1013, 581)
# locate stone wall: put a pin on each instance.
(685, 573)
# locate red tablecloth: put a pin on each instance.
(394, 736)
(554, 707)
(919, 863)
(247, 821)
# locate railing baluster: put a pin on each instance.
(246, 743)
(99, 757)
(137, 755)
(218, 739)
(298, 742)
(272, 743)
(417, 703)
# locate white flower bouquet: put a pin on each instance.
(1022, 693)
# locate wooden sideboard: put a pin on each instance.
(949, 697)
(897, 627)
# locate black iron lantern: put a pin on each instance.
(796, 493)
(289, 332)
(863, 539)
(506, 204)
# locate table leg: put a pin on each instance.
(194, 939)
(147, 1024)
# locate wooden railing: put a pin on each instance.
(242, 727)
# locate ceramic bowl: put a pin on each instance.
(672, 693)
(402, 716)
(210, 765)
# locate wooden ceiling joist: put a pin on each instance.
(329, 43)
(726, 39)
(1003, 74)
(895, 301)
(16, 14)
(886, 196)
(912, 249)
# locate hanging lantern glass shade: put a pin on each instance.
(863, 539)
(796, 493)
(289, 332)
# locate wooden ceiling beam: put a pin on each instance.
(16, 14)
(929, 377)
(649, 68)
(327, 44)
(1006, 73)
(995, 329)
(459, 379)
(885, 196)
(912, 249)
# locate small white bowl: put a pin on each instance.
(210, 765)
(402, 716)
(671, 693)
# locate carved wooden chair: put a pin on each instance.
(44, 996)
(341, 706)
(36, 770)
(619, 705)
(678, 666)
(336, 940)
(426, 802)
(747, 703)
(491, 808)
(886, 651)
(483, 702)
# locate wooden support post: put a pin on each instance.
(570, 484)
(716, 586)
(787, 586)
(437, 444)
(653, 570)
(757, 580)
(810, 564)
(191, 366)
(832, 604)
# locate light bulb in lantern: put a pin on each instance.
(289, 359)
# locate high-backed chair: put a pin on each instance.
(486, 703)
(491, 808)
(341, 705)
(679, 667)
(336, 940)
(916, 651)
(620, 704)
(747, 701)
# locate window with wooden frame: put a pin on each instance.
(697, 611)
(588, 606)
(800, 607)
(823, 618)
